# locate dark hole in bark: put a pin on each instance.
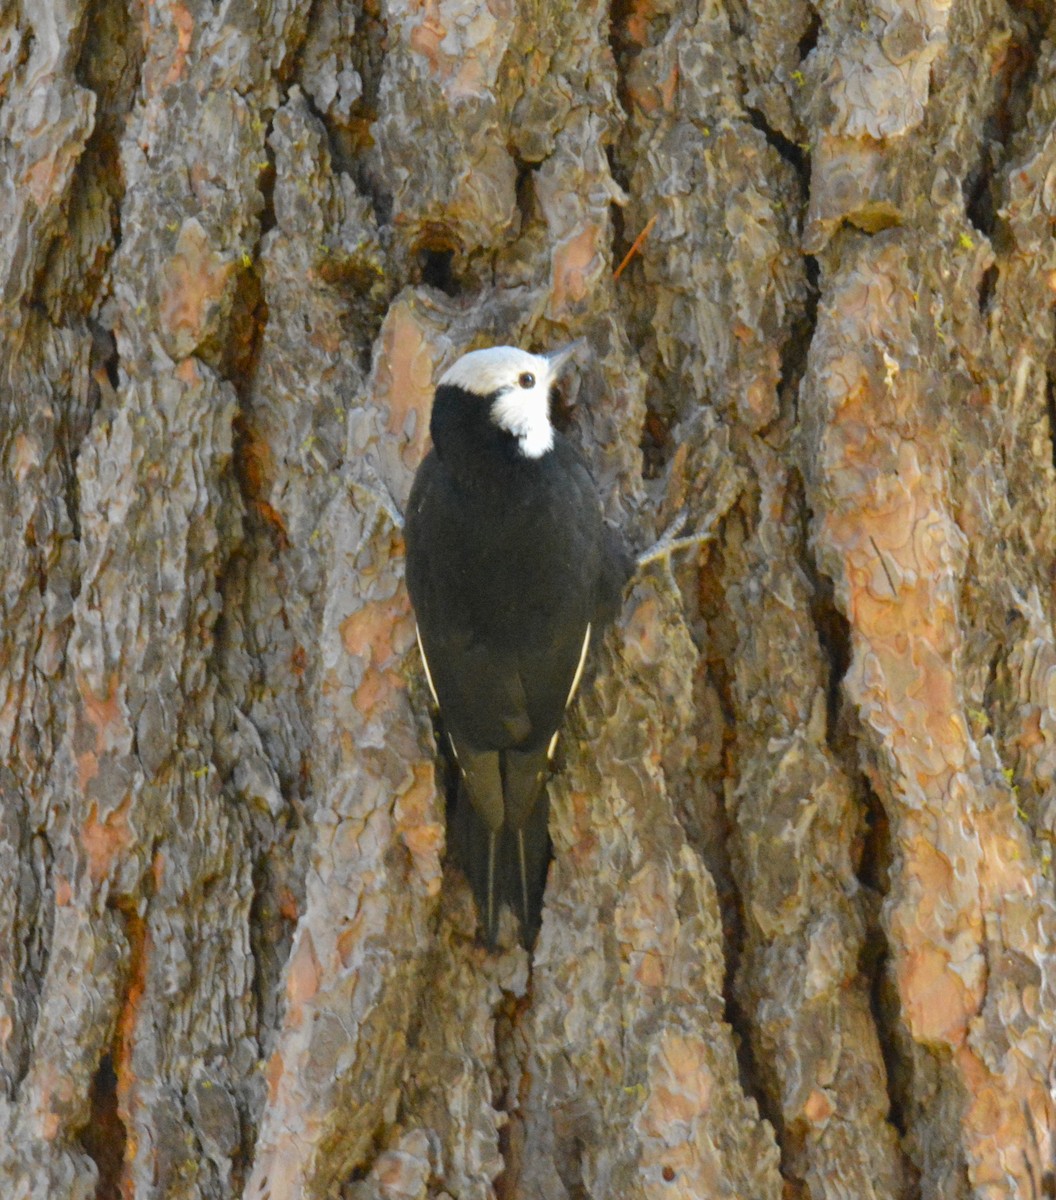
(620, 245)
(979, 200)
(1050, 405)
(788, 149)
(813, 270)
(239, 351)
(986, 287)
(527, 201)
(874, 867)
(654, 443)
(109, 363)
(560, 409)
(436, 269)
(104, 1137)
(834, 634)
(1013, 71)
(810, 39)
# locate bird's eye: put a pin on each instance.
(526, 379)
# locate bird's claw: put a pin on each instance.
(670, 543)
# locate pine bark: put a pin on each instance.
(799, 938)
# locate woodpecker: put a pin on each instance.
(512, 573)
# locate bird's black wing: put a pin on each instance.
(476, 684)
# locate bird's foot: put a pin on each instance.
(670, 542)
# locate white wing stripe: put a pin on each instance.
(425, 663)
(579, 669)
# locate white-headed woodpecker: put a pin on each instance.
(512, 573)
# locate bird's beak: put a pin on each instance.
(559, 357)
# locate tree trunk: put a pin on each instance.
(799, 936)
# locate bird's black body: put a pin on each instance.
(511, 569)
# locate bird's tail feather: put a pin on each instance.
(503, 868)
(529, 850)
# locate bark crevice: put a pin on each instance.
(797, 157)
(105, 1136)
(1014, 74)
(1050, 410)
(809, 39)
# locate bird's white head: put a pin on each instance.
(518, 385)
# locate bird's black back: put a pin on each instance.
(504, 566)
